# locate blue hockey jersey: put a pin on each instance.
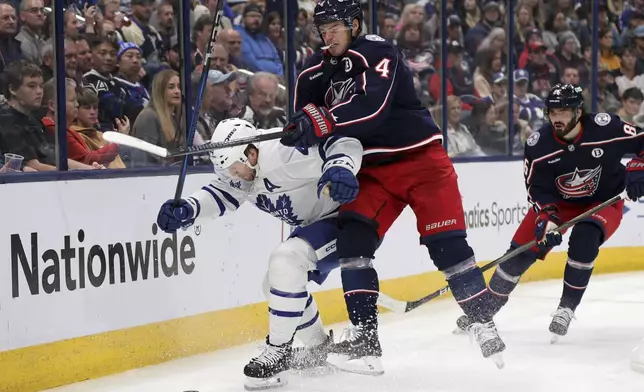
(370, 92)
(585, 170)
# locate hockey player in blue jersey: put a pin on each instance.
(360, 87)
(572, 164)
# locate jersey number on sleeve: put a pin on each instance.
(630, 130)
(526, 168)
(383, 68)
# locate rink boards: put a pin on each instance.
(90, 287)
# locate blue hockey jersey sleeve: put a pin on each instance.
(539, 180)
(369, 106)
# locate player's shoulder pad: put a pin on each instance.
(373, 48)
(541, 141)
(313, 61)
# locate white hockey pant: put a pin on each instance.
(291, 308)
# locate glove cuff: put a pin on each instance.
(195, 207)
(635, 164)
(550, 212)
(321, 119)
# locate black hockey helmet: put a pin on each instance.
(566, 96)
(328, 11)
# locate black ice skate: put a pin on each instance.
(463, 324)
(357, 352)
(265, 371)
(305, 358)
(489, 340)
(560, 322)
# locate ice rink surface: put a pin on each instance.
(422, 354)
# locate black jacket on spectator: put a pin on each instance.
(114, 99)
(542, 78)
(574, 62)
(9, 51)
(475, 36)
(24, 135)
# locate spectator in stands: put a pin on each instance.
(632, 18)
(522, 130)
(257, 50)
(165, 23)
(490, 133)
(530, 107)
(216, 102)
(476, 35)
(72, 25)
(272, 28)
(94, 22)
(459, 76)
(115, 101)
(219, 59)
(607, 101)
(87, 122)
(32, 16)
(470, 14)
(47, 65)
(9, 46)
(628, 76)
(413, 46)
(389, 29)
(454, 32)
(498, 88)
(460, 141)
(638, 40)
(76, 147)
(201, 33)
(554, 26)
(631, 103)
(159, 122)
(232, 40)
(22, 132)
(83, 55)
(606, 54)
(262, 92)
(489, 62)
(144, 35)
(570, 76)
(71, 65)
(543, 73)
(567, 51)
(128, 79)
(523, 22)
(606, 23)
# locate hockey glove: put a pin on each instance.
(545, 223)
(172, 217)
(635, 178)
(308, 127)
(343, 184)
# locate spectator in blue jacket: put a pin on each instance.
(476, 35)
(257, 49)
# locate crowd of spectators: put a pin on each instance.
(123, 64)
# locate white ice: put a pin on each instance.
(422, 354)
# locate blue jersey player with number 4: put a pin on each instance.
(572, 164)
(361, 87)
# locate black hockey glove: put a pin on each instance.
(172, 217)
(545, 223)
(635, 178)
(308, 127)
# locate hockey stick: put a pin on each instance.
(197, 105)
(404, 307)
(131, 141)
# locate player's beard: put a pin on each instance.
(562, 130)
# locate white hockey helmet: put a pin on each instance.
(228, 130)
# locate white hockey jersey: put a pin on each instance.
(286, 181)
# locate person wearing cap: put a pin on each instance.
(544, 74)
(142, 33)
(491, 18)
(628, 75)
(216, 102)
(531, 107)
(630, 20)
(257, 49)
(129, 75)
(498, 88)
(454, 31)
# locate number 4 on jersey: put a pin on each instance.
(383, 68)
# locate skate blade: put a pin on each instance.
(554, 338)
(318, 371)
(458, 331)
(498, 360)
(258, 384)
(368, 366)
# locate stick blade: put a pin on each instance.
(130, 141)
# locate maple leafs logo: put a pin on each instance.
(283, 209)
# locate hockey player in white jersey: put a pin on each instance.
(288, 184)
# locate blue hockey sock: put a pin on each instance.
(471, 294)
(585, 240)
(361, 288)
(576, 278)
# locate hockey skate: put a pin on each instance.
(357, 352)
(304, 358)
(266, 370)
(489, 340)
(560, 322)
(463, 324)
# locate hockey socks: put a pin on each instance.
(471, 294)
(585, 240)
(361, 286)
(576, 278)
